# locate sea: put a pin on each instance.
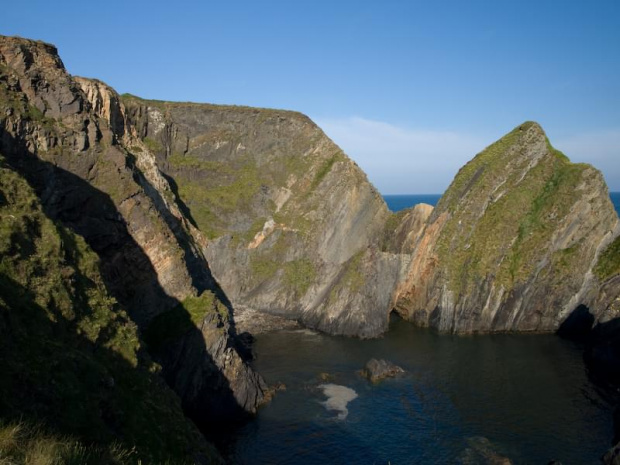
(462, 399)
(400, 202)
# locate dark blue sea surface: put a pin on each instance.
(524, 397)
(615, 198)
(400, 202)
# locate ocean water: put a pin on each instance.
(400, 202)
(524, 397)
(615, 198)
(463, 399)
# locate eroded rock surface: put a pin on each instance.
(296, 229)
(513, 242)
(70, 138)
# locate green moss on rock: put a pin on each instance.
(608, 264)
(502, 218)
(170, 326)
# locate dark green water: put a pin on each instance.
(528, 396)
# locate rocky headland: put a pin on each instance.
(133, 229)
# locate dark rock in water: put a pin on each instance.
(482, 451)
(271, 391)
(376, 370)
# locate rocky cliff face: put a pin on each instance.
(71, 357)
(512, 243)
(69, 138)
(296, 229)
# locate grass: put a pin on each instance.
(260, 113)
(153, 145)
(263, 268)
(223, 189)
(169, 326)
(72, 358)
(325, 168)
(299, 275)
(30, 444)
(608, 264)
(515, 228)
(353, 278)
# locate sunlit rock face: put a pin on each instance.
(513, 242)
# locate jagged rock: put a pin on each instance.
(70, 138)
(512, 244)
(296, 229)
(378, 369)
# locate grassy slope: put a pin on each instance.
(608, 264)
(71, 358)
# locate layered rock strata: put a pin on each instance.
(69, 138)
(513, 243)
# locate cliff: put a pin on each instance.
(68, 138)
(513, 242)
(295, 227)
(71, 357)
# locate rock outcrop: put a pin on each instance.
(513, 242)
(70, 139)
(377, 370)
(71, 358)
(296, 229)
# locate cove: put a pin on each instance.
(463, 399)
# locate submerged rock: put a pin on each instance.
(481, 451)
(377, 369)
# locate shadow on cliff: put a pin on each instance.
(578, 325)
(54, 377)
(601, 354)
(130, 277)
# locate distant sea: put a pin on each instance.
(400, 202)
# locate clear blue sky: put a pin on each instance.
(409, 89)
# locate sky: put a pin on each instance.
(411, 90)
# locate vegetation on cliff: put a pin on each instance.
(510, 243)
(493, 198)
(608, 264)
(72, 359)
